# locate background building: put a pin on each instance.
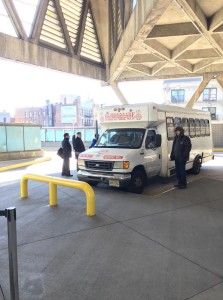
(36, 115)
(4, 117)
(179, 92)
(70, 112)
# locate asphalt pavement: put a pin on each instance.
(165, 244)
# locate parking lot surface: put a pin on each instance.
(164, 244)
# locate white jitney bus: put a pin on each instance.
(137, 141)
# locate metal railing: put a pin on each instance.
(53, 183)
(24, 164)
(10, 214)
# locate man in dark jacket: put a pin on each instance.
(180, 153)
(78, 146)
(66, 155)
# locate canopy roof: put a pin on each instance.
(116, 40)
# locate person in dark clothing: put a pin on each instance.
(78, 146)
(73, 141)
(180, 154)
(94, 141)
(66, 155)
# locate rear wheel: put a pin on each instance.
(196, 166)
(137, 182)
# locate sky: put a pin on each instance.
(26, 85)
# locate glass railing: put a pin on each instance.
(19, 137)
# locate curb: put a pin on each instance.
(24, 164)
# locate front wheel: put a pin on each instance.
(196, 166)
(137, 182)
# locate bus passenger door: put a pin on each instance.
(152, 153)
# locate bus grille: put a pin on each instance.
(99, 165)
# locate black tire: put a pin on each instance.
(137, 182)
(196, 166)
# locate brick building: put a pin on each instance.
(70, 112)
(36, 115)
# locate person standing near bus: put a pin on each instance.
(66, 155)
(180, 154)
(78, 146)
(73, 141)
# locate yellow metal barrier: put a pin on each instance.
(53, 182)
(28, 163)
(218, 150)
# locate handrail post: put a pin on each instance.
(90, 199)
(53, 194)
(90, 207)
(10, 214)
(24, 188)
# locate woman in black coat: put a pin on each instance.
(66, 155)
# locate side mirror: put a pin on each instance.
(158, 140)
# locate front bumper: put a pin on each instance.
(110, 179)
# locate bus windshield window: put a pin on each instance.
(121, 138)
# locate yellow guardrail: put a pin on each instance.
(218, 150)
(53, 183)
(28, 163)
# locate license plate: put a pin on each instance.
(113, 183)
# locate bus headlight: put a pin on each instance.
(121, 165)
(81, 163)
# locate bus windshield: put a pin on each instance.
(129, 138)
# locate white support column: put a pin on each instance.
(117, 91)
(199, 91)
(220, 80)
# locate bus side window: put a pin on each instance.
(185, 126)
(192, 128)
(197, 127)
(150, 142)
(207, 127)
(177, 122)
(170, 128)
(202, 123)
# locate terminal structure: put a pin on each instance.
(165, 243)
(118, 40)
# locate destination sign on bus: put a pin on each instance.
(123, 115)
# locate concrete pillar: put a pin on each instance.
(220, 80)
(117, 91)
(199, 91)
